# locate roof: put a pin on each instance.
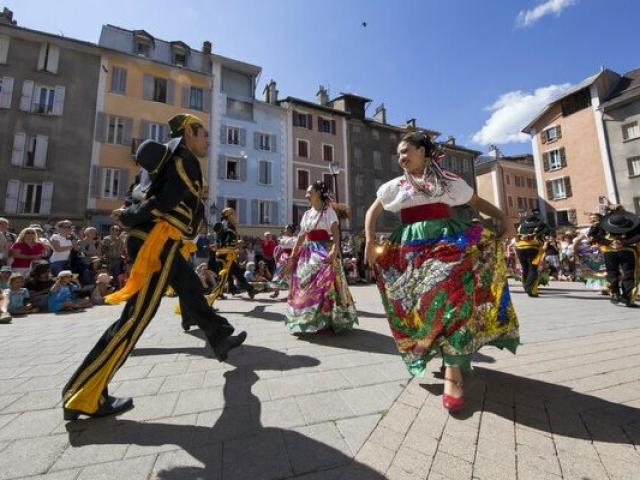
(627, 89)
(352, 95)
(82, 43)
(587, 82)
(316, 106)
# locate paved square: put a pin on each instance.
(330, 407)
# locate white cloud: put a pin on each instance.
(513, 111)
(529, 17)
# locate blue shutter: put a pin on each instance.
(147, 87)
(101, 127)
(255, 212)
(206, 101)
(243, 169)
(171, 86)
(244, 214)
(222, 167)
(223, 134)
(243, 137)
(268, 168)
(275, 218)
(219, 207)
(274, 146)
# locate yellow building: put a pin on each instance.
(144, 81)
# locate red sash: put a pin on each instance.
(318, 236)
(432, 211)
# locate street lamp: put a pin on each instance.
(334, 168)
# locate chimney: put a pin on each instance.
(410, 124)
(206, 47)
(451, 140)
(270, 92)
(381, 114)
(494, 151)
(322, 96)
(6, 17)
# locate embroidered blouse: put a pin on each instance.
(398, 193)
(327, 218)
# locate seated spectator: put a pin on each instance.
(90, 246)
(208, 278)
(124, 276)
(5, 316)
(62, 243)
(263, 274)
(19, 303)
(26, 250)
(91, 273)
(62, 297)
(250, 272)
(102, 289)
(39, 283)
(5, 274)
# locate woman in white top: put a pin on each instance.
(442, 280)
(319, 298)
(62, 244)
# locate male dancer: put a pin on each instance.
(529, 249)
(170, 209)
(621, 255)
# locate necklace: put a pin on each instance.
(429, 185)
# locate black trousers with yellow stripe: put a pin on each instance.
(621, 272)
(87, 388)
(529, 270)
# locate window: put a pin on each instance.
(562, 217)
(630, 131)
(576, 102)
(357, 156)
(522, 203)
(303, 148)
(355, 129)
(115, 130)
(31, 197)
(160, 90)
(359, 184)
(508, 179)
(328, 179)
(510, 201)
(233, 169)
(4, 48)
(49, 56)
(533, 203)
(6, 91)
(110, 183)
(265, 212)
(239, 110)
(118, 80)
(551, 134)
(298, 212)
(264, 141)
(143, 48)
(302, 120)
(634, 166)
(44, 100)
(377, 160)
(303, 179)
(264, 173)
(232, 203)
(233, 136)
(518, 182)
(327, 152)
(157, 132)
(180, 59)
(326, 126)
(554, 160)
(375, 134)
(636, 203)
(196, 98)
(551, 219)
(466, 165)
(559, 188)
(529, 182)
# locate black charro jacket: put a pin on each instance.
(174, 196)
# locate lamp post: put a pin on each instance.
(334, 168)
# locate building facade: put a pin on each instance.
(250, 149)
(143, 82)
(622, 126)
(571, 158)
(316, 134)
(509, 183)
(47, 110)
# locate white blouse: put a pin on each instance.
(398, 193)
(287, 242)
(326, 218)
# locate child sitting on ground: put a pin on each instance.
(102, 289)
(19, 296)
(61, 296)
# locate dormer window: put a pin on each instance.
(179, 53)
(143, 43)
(143, 49)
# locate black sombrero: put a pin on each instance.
(152, 155)
(619, 222)
(531, 221)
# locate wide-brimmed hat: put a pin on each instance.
(531, 220)
(65, 273)
(152, 155)
(619, 222)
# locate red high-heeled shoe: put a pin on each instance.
(451, 403)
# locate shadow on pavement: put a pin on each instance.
(236, 446)
(357, 339)
(546, 407)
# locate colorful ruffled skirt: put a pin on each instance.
(281, 275)
(319, 297)
(444, 288)
(590, 266)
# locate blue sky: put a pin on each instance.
(475, 69)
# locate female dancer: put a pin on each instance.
(319, 298)
(282, 254)
(442, 280)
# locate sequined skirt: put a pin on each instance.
(444, 288)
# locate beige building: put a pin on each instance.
(317, 138)
(508, 182)
(571, 158)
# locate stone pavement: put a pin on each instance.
(330, 407)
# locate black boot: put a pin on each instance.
(111, 406)
(222, 348)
